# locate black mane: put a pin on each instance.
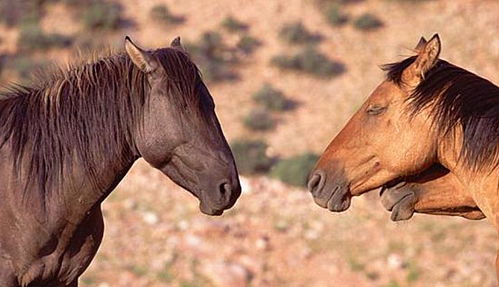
(458, 97)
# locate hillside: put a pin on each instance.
(276, 235)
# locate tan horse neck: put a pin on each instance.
(483, 185)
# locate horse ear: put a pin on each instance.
(422, 42)
(142, 59)
(426, 59)
(177, 44)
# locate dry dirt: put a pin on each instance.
(276, 235)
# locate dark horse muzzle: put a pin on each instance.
(220, 197)
(329, 192)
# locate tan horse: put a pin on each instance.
(426, 112)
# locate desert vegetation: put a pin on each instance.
(285, 77)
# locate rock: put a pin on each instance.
(183, 225)
(224, 274)
(395, 261)
(150, 217)
(262, 243)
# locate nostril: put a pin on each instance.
(225, 191)
(315, 182)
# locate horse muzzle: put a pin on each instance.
(332, 194)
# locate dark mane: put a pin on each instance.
(85, 114)
(457, 96)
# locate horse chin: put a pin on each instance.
(210, 211)
(339, 202)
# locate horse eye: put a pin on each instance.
(376, 110)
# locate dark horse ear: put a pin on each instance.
(142, 59)
(177, 44)
(422, 42)
(426, 59)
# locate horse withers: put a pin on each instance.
(428, 111)
(68, 140)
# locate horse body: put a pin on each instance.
(54, 240)
(64, 146)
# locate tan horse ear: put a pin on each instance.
(142, 59)
(422, 42)
(177, 44)
(426, 59)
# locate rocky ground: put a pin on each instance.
(275, 235)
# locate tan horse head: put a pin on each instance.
(382, 141)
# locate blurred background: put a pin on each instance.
(286, 75)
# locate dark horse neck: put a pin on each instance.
(64, 146)
(80, 124)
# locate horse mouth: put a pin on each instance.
(210, 211)
(339, 201)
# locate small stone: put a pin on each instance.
(262, 243)
(226, 274)
(150, 217)
(183, 225)
(395, 261)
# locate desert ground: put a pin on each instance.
(275, 235)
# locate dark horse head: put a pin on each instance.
(180, 134)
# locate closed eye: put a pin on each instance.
(376, 110)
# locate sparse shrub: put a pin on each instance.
(334, 15)
(14, 12)
(102, 15)
(295, 170)
(247, 44)
(311, 61)
(259, 120)
(161, 14)
(233, 25)
(32, 37)
(213, 56)
(296, 33)
(271, 98)
(24, 67)
(250, 156)
(367, 22)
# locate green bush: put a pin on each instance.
(259, 120)
(295, 170)
(213, 56)
(296, 33)
(310, 61)
(24, 67)
(102, 15)
(334, 15)
(271, 98)
(233, 25)
(247, 44)
(367, 22)
(31, 37)
(15, 12)
(161, 14)
(250, 156)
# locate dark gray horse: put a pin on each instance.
(66, 143)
